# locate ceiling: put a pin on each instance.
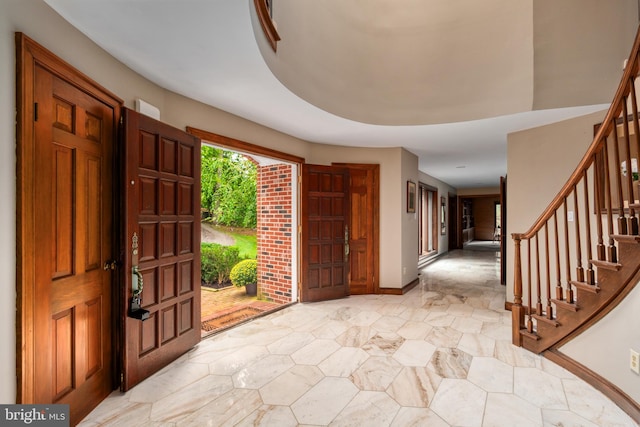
(446, 86)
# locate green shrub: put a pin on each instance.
(244, 272)
(217, 262)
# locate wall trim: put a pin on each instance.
(245, 147)
(396, 291)
(619, 397)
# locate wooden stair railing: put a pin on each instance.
(582, 253)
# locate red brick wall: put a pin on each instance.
(274, 232)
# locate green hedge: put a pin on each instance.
(217, 262)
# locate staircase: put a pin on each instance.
(582, 255)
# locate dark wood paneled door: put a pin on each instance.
(364, 228)
(162, 242)
(72, 240)
(325, 220)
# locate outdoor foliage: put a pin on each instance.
(244, 273)
(229, 187)
(217, 262)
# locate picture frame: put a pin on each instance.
(411, 197)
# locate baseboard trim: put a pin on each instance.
(397, 291)
(619, 397)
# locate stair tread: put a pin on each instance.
(543, 318)
(586, 286)
(565, 305)
(530, 335)
(614, 266)
(626, 238)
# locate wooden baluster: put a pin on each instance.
(636, 126)
(538, 283)
(579, 269)
(569, 290)
(599, 190)
(590, 278)
(632, 220)
(529, 287)
(559, 294)
(612, 250)
(546, 248)
(517, 311)
(622, 220)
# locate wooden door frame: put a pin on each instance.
(375, 193)
(29, 54)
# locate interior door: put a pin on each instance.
(72, 240)
(325, 231)
(364, 228)
(162, 245)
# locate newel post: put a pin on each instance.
(517, 310)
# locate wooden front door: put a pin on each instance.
(66, 137)
(364, 226)
(325, 221)
(162, 242)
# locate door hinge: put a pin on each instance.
(35, 111)
(121, 120)
(121, 380)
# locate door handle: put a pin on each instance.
(135, 306)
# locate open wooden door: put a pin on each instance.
(162, 246)
(325, 233)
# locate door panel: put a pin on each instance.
(325, 216)
(162, 212)
(363, 236)
(73, 155)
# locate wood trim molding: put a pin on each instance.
(395, 291)
(267, 23)
(246, 147)
(619, 397)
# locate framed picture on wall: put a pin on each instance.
(411, 196)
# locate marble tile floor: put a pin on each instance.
(439, 355)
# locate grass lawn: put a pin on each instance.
(247, 244)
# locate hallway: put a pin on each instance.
(439, 355)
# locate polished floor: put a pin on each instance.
(439, 355)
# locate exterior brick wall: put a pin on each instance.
(274, 232)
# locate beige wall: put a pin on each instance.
(565, 44)
(391, 218)
(444, 190)
(539, 162)
(604, 348)
(410, 227)
(38, 21)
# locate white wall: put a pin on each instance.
(444, 190)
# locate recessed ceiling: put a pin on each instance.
(446, 85)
